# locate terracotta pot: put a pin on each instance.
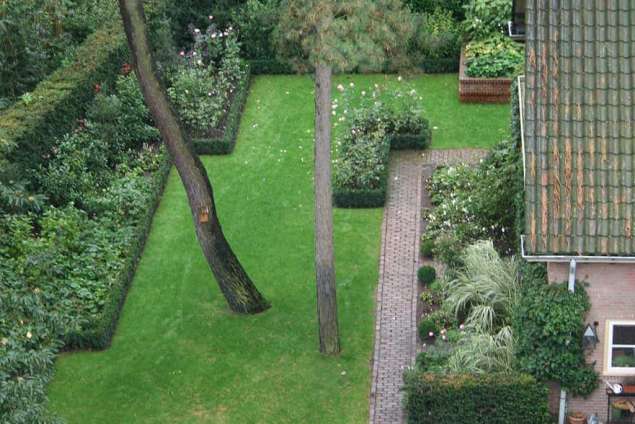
(577, 418)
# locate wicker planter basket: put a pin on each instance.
(482, 90)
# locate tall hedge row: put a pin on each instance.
(475, 399)
(29, 128)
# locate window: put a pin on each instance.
(621, 347)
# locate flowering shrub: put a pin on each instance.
(497, 56)
(374, 120)
(476, 204)
(206, 78)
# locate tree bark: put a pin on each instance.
(240, 292)
(324, 264)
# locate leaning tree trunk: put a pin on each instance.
(240, 292)
(325, 269)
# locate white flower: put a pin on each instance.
(193, 53)
(363, 93)
(340, 87)
(210, 17)
(213, 35)
(462, 327)
(197, 31)
(352, 85)
(200, 62)
(28, 335)
(430, 334)
(399, 78)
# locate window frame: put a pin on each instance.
(609, 346)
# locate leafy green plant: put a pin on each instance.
(255, 21)
(486, 17)
(427, 328)
(437, 36)
(426, 248)
(494, 57)
(456, 7)
(426, 275)
(548, 324)
(435, 357)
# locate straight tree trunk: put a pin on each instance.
(240, 292)
(324, 265)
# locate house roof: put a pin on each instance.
(578, 127)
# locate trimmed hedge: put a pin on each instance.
(98, 333)
(28, 129)
(475, 399)
(440, 66)
(269, 67)
(344, 197)
(225, 144)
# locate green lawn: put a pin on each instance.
(455, 124)
(180, 356)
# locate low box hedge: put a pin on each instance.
(225, 144)
(432, 398)
(441, 65)
(98, 333)
(411, 141)
(269, 67)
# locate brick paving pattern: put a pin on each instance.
(396, 310)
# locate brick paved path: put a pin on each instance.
(395, 319)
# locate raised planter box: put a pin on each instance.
(482, 90)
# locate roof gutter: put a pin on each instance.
(576, 258)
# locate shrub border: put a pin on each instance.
(374, 198)
(101, 330)
(225, 144)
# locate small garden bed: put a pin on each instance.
(209, 88)
(380, 124)
(482, 90)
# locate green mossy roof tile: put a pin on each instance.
(578, 128)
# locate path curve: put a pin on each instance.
(396, 302)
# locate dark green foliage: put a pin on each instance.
(435, 357)
(426, 248)
(28, 343)
(225, 144)
(269, 67)
(37, 35)
(426, 275)
(436, 42)
(440, 66)
(548, 324)
(486, 17)
(476, 399)
(255, 21)
(456, 7)
(425, 327)
(29, 128)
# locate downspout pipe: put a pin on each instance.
(563, 393)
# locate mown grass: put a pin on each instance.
(180, 356)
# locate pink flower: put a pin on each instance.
(430, 334)
(181, 53)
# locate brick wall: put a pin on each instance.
(612, 293)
